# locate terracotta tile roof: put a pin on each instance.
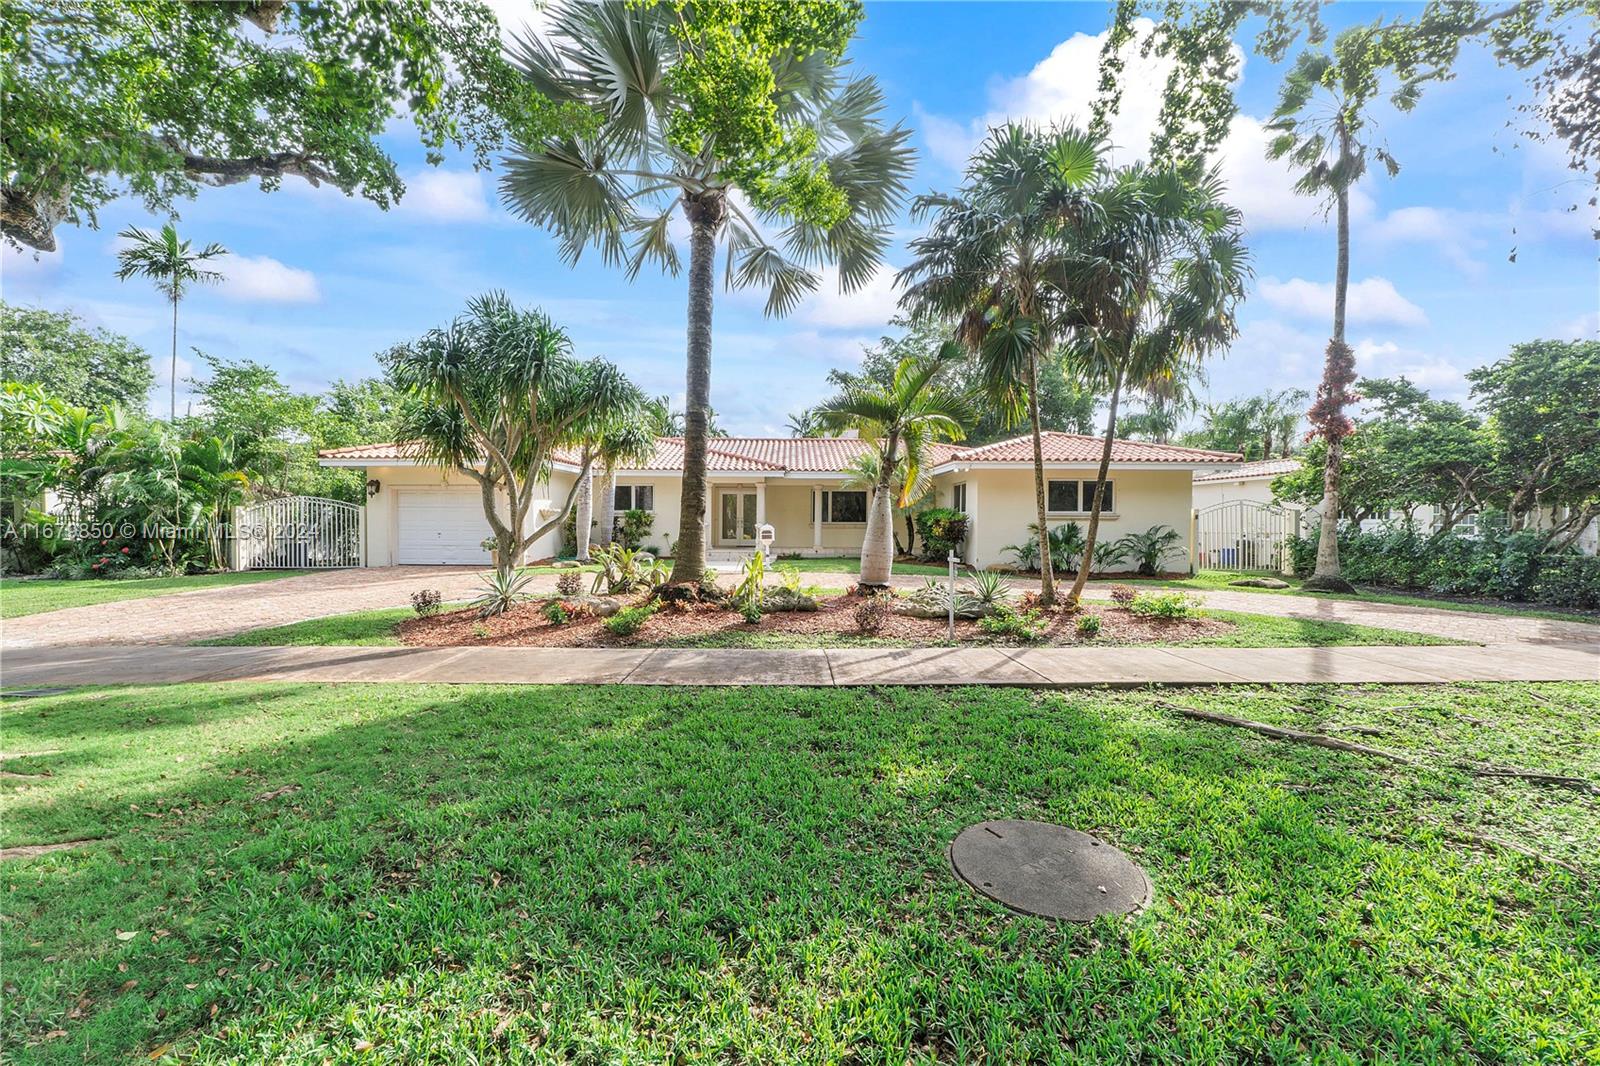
(1081, 448)
(1263, 468)
(833, 454)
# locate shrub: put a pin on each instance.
(1168, 606)
(623, 569)
(498, 591)
(556, 613)
(788, 577)
(1066, 548)
(1568, 581)
(1088, 626)
(708, 584)
(1123, 594)
(751, 613)
(426, 602)
(481, 631)
(1026, 626)
(629, 620)
(633, 526)
(570, 583)
(1150, 548)
(873, 611)
(941, 530)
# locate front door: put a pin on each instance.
(736, 516)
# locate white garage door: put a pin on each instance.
(441, 526)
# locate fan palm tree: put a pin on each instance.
(982, 265)
(620, 188)
(1154, 274)
(902, 420)
(173, 265)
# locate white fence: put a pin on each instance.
(1244, 535)
(299, 533)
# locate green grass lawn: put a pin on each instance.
(1254, 631)
(1217, 580)
(849, 564)
(389, 873)
(37, 595)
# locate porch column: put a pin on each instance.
(816, 516)
(761, 502)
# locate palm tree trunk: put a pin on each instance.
(1326, 576)
(706, 213)
(583, 517)
(877, 547)
(172, 386)
(1047, 582)
(608, 505)
(1099, 496)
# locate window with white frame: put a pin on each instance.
(634, 497)
(1077, 497)
(841, 506)
(958, 497)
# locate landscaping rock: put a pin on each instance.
(784, 600)
(918, 609)
(1259, 583)
(599, 606)
(566, 564)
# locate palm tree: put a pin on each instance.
(901, 419)
(1279, 413)
(1154, 273)
(628, 438)
(864, 472)
(173, 265)
(210, 476)
(620, 188)
(804, 423)
(1321, 125)
(982, 264)
(664, 421)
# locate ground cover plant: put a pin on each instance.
(371, 873)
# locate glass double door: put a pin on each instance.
(736, 516)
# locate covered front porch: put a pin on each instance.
(816, 517)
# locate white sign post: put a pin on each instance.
(951, 631)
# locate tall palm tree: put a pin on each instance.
(864, 472)
(1154, 274)
(620, 188)
(804, 423)
(1322, 129)
(982, 264)
(173, 265)
(901, 419)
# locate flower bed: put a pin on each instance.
(527, 625)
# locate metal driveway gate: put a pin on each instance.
(1244, 535)
(299, 533)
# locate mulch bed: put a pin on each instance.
(526, 626)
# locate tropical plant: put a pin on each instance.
(1151, 547)
(625, 438)
(1154, 272)
(1026, 626)
(788, 577)
(210, 479)
(873, 610)
(864, 471)
(1088, 626)
(629, 620)
(983, 264)
(1167, 606)
(569, 582)
(698, 104)
(902, 421)
(492, 396)
(752, 586)
(500, 590)
(1066, 546)
(623, 569)
(1123, 594)
(426, 602)
(556, 613)
(805, 423)
(172, 265)
(989, 589)
(941, 530)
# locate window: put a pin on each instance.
(958, 498)
(1076, 497)
(1061, 496)
(631, 497)
(844, 506)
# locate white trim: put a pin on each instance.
(951, 467)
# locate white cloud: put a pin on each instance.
(1062, 87)
(1371, 301)
(1435, 374)
(264, 278)
(446, 196)
(1451, 233)
(869, 307)
(1583, 328)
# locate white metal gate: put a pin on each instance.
(1244, 535)
(299, 533)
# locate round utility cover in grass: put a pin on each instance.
(1048, 870)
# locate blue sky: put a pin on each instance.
(321, 283)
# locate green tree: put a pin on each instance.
(493, 396)
(901, 421)
(1265, 426)
(211, 479)
(984, 263)
(699, 102)
(272, 427)
(1155, 272)
(159, 97)
(172, 265)
(1542, 405)
(85, 368)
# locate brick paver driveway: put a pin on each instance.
(186, 617)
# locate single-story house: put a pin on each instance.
(1251, 482)
(419, 514)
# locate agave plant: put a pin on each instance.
(1149, 547)
(500, 590)
(990, 590)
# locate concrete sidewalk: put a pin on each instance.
(1034, 667)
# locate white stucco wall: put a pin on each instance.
(1255, 490)
(1000, 506)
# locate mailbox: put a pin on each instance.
(766, 537)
